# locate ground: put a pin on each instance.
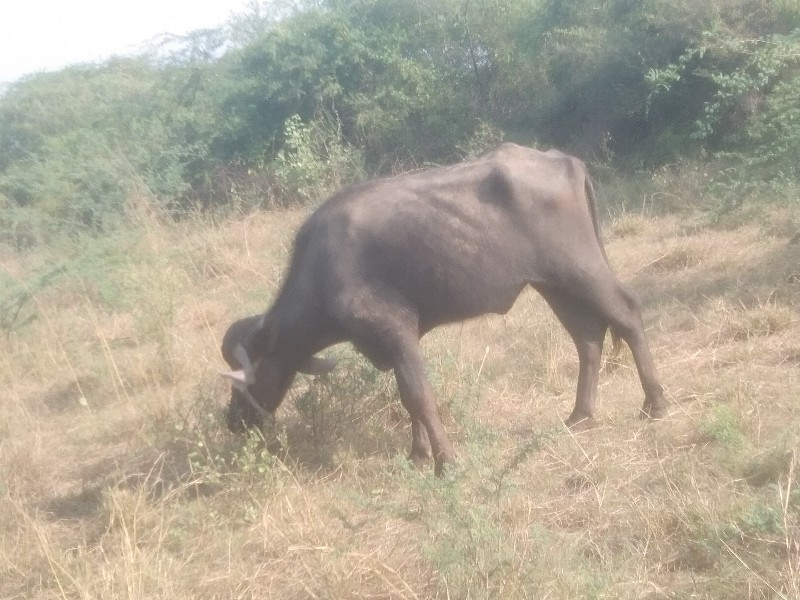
(119, 480)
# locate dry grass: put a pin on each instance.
(118, 479)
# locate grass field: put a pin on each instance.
(118, 478)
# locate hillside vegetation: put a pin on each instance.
(293, 99)
(146, 203)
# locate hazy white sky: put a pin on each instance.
(44, 35)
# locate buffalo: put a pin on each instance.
(382, 263)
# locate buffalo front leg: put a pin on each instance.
(428, 433)
(421, 451)
(587, 330)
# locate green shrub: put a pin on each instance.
(315, 160)
(723, 426)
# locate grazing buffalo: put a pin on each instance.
(382, 263)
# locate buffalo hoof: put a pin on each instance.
(419, 459)
(652, 414)
(579, 422)
(653, 410)
(275, 447)
(443, 465)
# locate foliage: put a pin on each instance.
(751, 119)
(315, 160)
(723, 427)
(293, 98)
(77, 143)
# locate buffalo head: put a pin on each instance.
(259, 384)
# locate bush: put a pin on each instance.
(315, 160)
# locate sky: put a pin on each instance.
(47, 35)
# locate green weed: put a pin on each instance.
(723, 426)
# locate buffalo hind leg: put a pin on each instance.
(623, 314)
(587, 329)
(631, 329)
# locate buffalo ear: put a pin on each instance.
(318, 366)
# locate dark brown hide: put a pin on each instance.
(381, 264)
